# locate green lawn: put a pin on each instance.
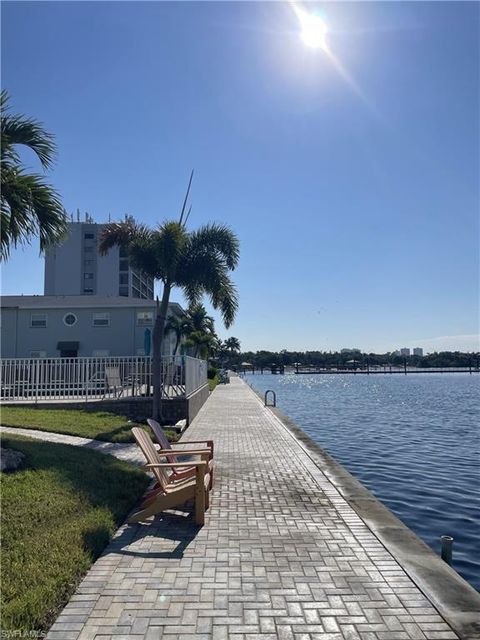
(58, 513)
(75, 422)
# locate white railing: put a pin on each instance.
(53, 379)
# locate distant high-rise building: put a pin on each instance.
(418, 351)
(405, 351)
(76, 268)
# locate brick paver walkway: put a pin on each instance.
(282, 555)
(122, 451)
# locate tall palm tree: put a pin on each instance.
(198, 262)
(28, 206)
(178, 326)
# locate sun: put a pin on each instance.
(314, 30)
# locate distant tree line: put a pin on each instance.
(353, 358)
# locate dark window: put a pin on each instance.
(123, 278)
(88, 276)
(89, 236)
(38, 320)
(123, 265)
(101, 319)
(123, 291)
(88, 290)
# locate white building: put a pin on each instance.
(418, 351)
(71, 326)
(405, 351)
(76, 268)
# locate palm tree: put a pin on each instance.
(28, 205)
(202, 342)
(232, 345)
(197, 262)
(199, 320)
(200, 330)
(178, 326)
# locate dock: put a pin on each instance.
(293, 548)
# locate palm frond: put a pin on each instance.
(206, 273)
(122, 234)
(18, 129)
(29, 207)
(217, 238)
(170, 241)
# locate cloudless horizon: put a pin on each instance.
(351, 175)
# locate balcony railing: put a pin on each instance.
(54, 379)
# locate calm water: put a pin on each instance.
(412, 440)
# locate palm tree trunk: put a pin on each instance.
(177, 344)
(158, 331)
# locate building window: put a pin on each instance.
(38, 354)
(144, 318)
(88, 276)
(100, 353)
(88, 263)
(123, 291)
(123, 278)
(101, 319)
(88, 249)
(69, 319)
(123, 252)
(123, 265)
(88, 291)
(89, 236)
(38, 320)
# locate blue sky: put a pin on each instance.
(351, 179)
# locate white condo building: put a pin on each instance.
(76, 268)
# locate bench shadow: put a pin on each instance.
(170, 532)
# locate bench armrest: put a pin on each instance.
(175, 464)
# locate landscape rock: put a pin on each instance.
(11, 460)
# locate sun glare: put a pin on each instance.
(314, 30)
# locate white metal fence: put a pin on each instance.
(53, 379)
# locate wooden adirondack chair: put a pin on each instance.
(177, 472)
(168, 492)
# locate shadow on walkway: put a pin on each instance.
(167, 536)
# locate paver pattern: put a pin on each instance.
(122, 451)
(282, 555)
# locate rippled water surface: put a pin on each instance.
(412, 440)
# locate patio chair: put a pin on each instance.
(171, 493)
(173, 456)
(113, 381)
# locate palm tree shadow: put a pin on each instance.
(167, 536)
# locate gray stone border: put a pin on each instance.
(455, 600)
